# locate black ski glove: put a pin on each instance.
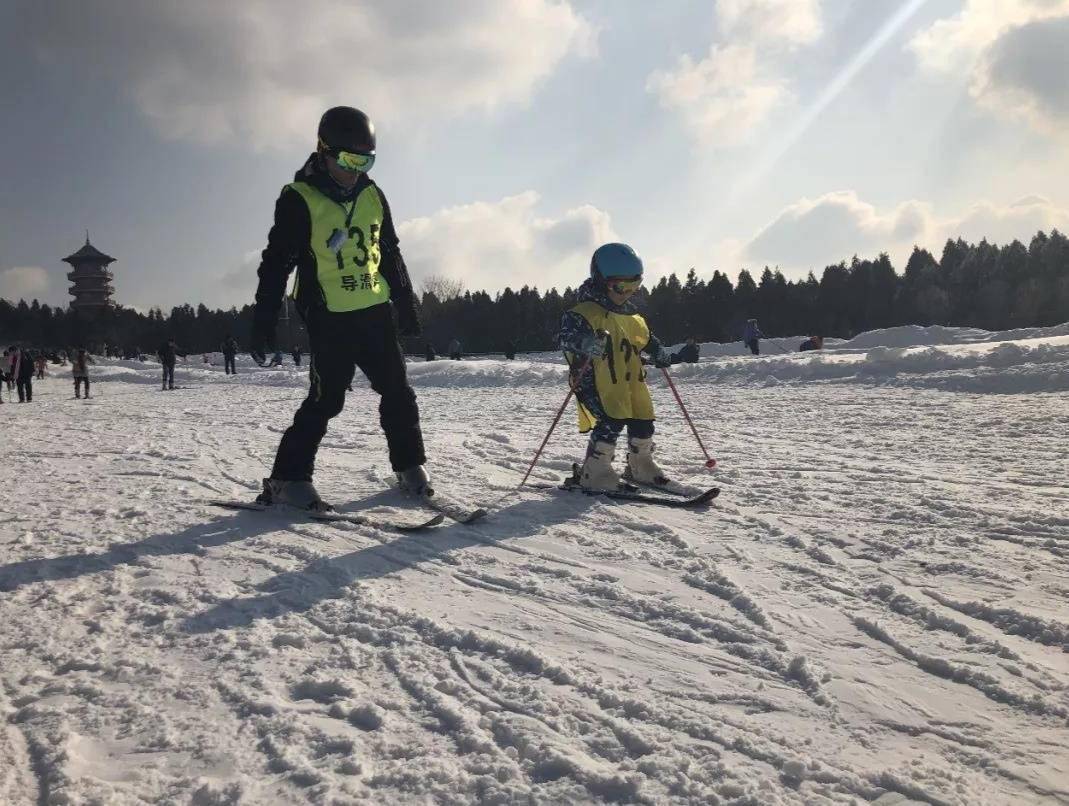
(408, 323)
(260, 343)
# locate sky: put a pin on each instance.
(515, 136)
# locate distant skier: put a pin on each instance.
(80, 371)
(602, 337)
(751, 336)
(454, 350)
(40, 364)
(23, 370)
(230, 353)
(334, 224)
(9, 368)
(510, 349)
(689, 353)
(812, 343)
(276, 359)
(168, 354)
(429, 354)
(296, 355)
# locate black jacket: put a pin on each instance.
(167, 353)
(288, 246)
(26, 367)
(688, 354)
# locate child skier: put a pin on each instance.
(602, 337)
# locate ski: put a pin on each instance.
(341, 517)
(446, 505)
(452, 508)
(638, 497)
(635, 494)
(671, 488)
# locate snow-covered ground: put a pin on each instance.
(876, 609)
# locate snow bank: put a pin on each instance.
(953, 359)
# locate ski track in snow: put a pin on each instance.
(875, 610)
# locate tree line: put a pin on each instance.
(971, 285)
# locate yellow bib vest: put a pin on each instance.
(345, 244)
(619, 377)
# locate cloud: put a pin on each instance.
(1012, 52)
(490, 245)
(262, 71)
(1026, 70)
(23, 282)
(730, 93)
(811, 234)
(238, 286)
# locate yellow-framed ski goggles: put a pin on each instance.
(354, 163)
(625, 285)
(351, 161)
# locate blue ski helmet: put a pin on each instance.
(615, 260)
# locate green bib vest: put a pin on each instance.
(345, 244)
(619, 377)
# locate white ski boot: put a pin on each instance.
(415, 480)
(597, 472)
(641, 468)
(296, 494)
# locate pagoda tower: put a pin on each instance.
(92, 278)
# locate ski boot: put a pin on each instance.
(415, 481)
(297, 494)
(641, 467)
(597, 472)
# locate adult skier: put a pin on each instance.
(602, 337)
(80, 370)
(689, 353)
(23, 370)
(334, 225)
(230, 352)
(168, 354)
(751, 335)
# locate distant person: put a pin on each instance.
(752, 335)
(688, 353)
(296, 355)
(429, 353)
(168, 354)
(24, 369)
(510, 349)
(812, 343)
(9, 368)
(276, 359)
(80, 371)
(454, 350)
(230, 352)
(40, 365)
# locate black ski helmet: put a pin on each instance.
(343, 128)
(615, 260)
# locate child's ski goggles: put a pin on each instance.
(625, 285)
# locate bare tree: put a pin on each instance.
(443, 288)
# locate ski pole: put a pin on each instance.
(710, 462)
(571, 391)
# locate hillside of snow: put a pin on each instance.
(875, 610)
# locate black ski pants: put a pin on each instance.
(25, 386)
(78, 381)
(229, 364)
(341, 342)
(168, 376)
